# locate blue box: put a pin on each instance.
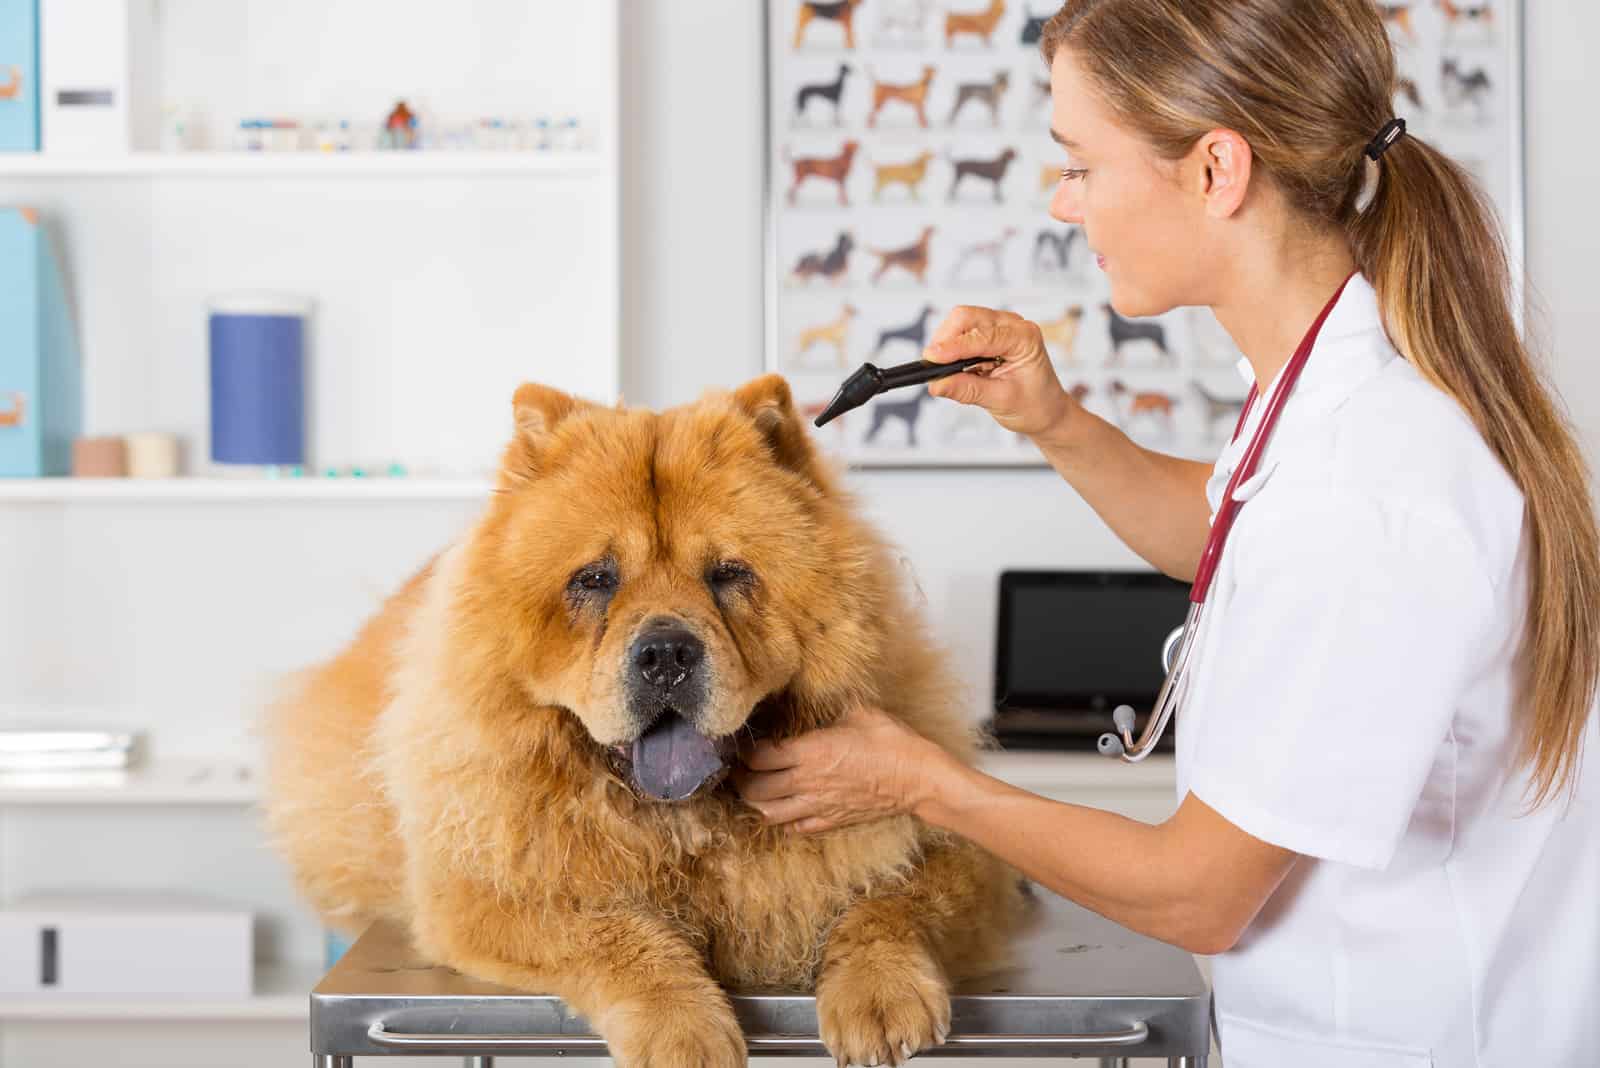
(41, 401)
(19, 76)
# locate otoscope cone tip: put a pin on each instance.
(835, 408)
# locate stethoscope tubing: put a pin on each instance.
(1121, 744)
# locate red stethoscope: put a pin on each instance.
(1176, 660)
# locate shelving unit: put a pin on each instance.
(267, 490)
(191, 781)
(310, 164)
(439, 280)
(180, 781)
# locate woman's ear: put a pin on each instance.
(1224, 164)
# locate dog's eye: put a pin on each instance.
(594, 579)
(726, 572)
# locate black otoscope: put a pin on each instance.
(869, 381)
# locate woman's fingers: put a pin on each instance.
(963, 388)
(786, 810)
(768, 755)
(766, 785)
(967, 321)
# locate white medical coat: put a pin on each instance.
(1353, 700)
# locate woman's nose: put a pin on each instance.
(1064, 204)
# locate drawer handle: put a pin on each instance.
(380, 1035)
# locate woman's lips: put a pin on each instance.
(1100, 261)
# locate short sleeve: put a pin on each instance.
(1353, 625)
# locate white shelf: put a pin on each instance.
(282, 992)
(319, 164)
(165, 782)
(220, 782)
(1057, 772)
(202, 490)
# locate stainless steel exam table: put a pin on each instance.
(1083, 987)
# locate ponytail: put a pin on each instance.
(1429, 245)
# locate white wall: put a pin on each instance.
(692, 276)
(1563, 159)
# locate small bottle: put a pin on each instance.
(174, 132)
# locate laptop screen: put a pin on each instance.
(1084, 639)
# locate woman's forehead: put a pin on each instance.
(1079, 119)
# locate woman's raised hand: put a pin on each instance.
(1022, 393)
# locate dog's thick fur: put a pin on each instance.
(455, 768)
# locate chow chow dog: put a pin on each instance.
(522, 756)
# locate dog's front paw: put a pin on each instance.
(882, 1004)
(662, 1033)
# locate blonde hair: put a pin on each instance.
(1308, 83)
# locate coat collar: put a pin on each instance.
(1350, 348)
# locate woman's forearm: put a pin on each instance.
(1118, 867)
(1154, 502)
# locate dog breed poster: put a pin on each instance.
(910, 169)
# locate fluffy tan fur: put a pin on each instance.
(450, 769)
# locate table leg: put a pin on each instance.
(1186, 1062)
(331, 1060)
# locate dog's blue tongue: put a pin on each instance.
(672, 760)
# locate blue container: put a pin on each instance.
(258, 379)
(19, 76)
(41, 404)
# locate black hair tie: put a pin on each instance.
(1392, 131)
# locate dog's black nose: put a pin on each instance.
(666, 654)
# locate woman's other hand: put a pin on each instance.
(866, 766)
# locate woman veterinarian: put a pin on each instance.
(1386, 835)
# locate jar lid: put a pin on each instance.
(262, 303)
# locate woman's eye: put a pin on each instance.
(1069, 173)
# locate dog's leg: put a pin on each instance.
(800, 25)
(884, 988)
(633, 976)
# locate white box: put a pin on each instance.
(96, 68)
(155, 945)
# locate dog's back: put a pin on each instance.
(326, 810)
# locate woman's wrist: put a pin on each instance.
(937, 789)
(1061, 432)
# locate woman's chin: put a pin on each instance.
(1131, 305)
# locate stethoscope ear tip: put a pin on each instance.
(1110, 745)
(1124, 718)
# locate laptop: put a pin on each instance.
(1072, 646)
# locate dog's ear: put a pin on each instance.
(536, 412)
(770, 405)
